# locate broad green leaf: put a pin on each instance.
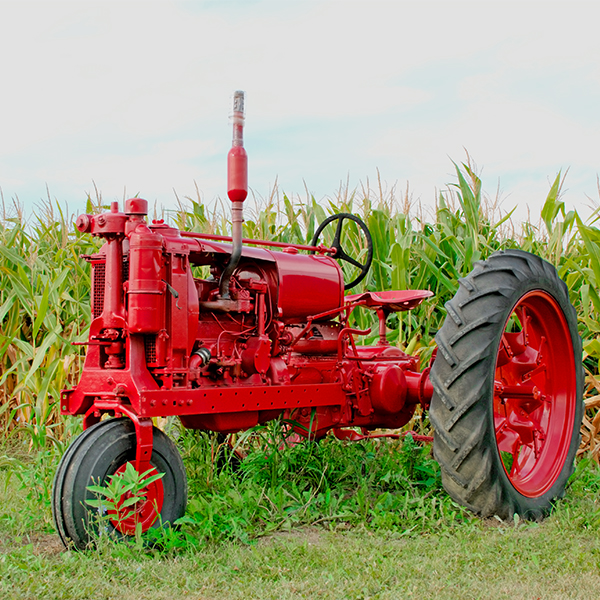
(40, 354)
(41, 311)
(552, 205)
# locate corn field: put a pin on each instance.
(45, 284)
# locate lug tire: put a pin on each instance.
(93, 457)
(508, 385)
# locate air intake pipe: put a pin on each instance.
(237, 189)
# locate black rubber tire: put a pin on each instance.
(462, 375)
(95, 455)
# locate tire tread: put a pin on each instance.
(462, 376)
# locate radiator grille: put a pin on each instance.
(150, 346)
(125, 268)
(98, 282)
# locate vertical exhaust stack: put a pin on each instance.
(237, 189)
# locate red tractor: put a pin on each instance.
(267, 334)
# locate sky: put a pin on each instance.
(133, 98)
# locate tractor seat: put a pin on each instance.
(391, 301)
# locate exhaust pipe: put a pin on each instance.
(237, 189)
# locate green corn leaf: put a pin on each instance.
(41, 311)
(12, 256)
(469, 201)
(14, 368)
(595, 299)
(42, 390)
(588, 235)
(40, 354)
(592, 348)
(552, 205)
(21, 293)
(451, 286)
(7, 306)
(25, 348)
(505, 218)
(400, 267)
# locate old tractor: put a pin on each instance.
(265, 333)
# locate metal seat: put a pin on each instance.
(390, 301)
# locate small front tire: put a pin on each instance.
(99, 452)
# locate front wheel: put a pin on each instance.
(99, 452)
(508, 385)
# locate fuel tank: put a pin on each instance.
(308, 284)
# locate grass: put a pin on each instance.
(377, 484)
(422, 553)
(523, 563)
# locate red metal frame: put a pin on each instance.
(165, 343)
(226, 238)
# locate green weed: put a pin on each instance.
(376, 484)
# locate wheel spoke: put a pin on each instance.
(521, 312)
(516, 362)
(342, 254)
(508, 439)
(527, 460)
(505, 354)
(338, 236)
(520, 422)
(515, 343)
(516, 453)
(336, 245)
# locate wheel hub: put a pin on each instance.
(534, 397)
(126, 517)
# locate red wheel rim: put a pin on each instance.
(145, 511)
(535, 394)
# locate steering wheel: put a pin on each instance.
(337, 245)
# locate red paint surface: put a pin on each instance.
(237, 174)
(533, 409)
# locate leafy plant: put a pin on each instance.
(118, 499)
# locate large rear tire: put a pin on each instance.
(508, 385)
(99, 452)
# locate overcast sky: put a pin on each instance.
(135, 96)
